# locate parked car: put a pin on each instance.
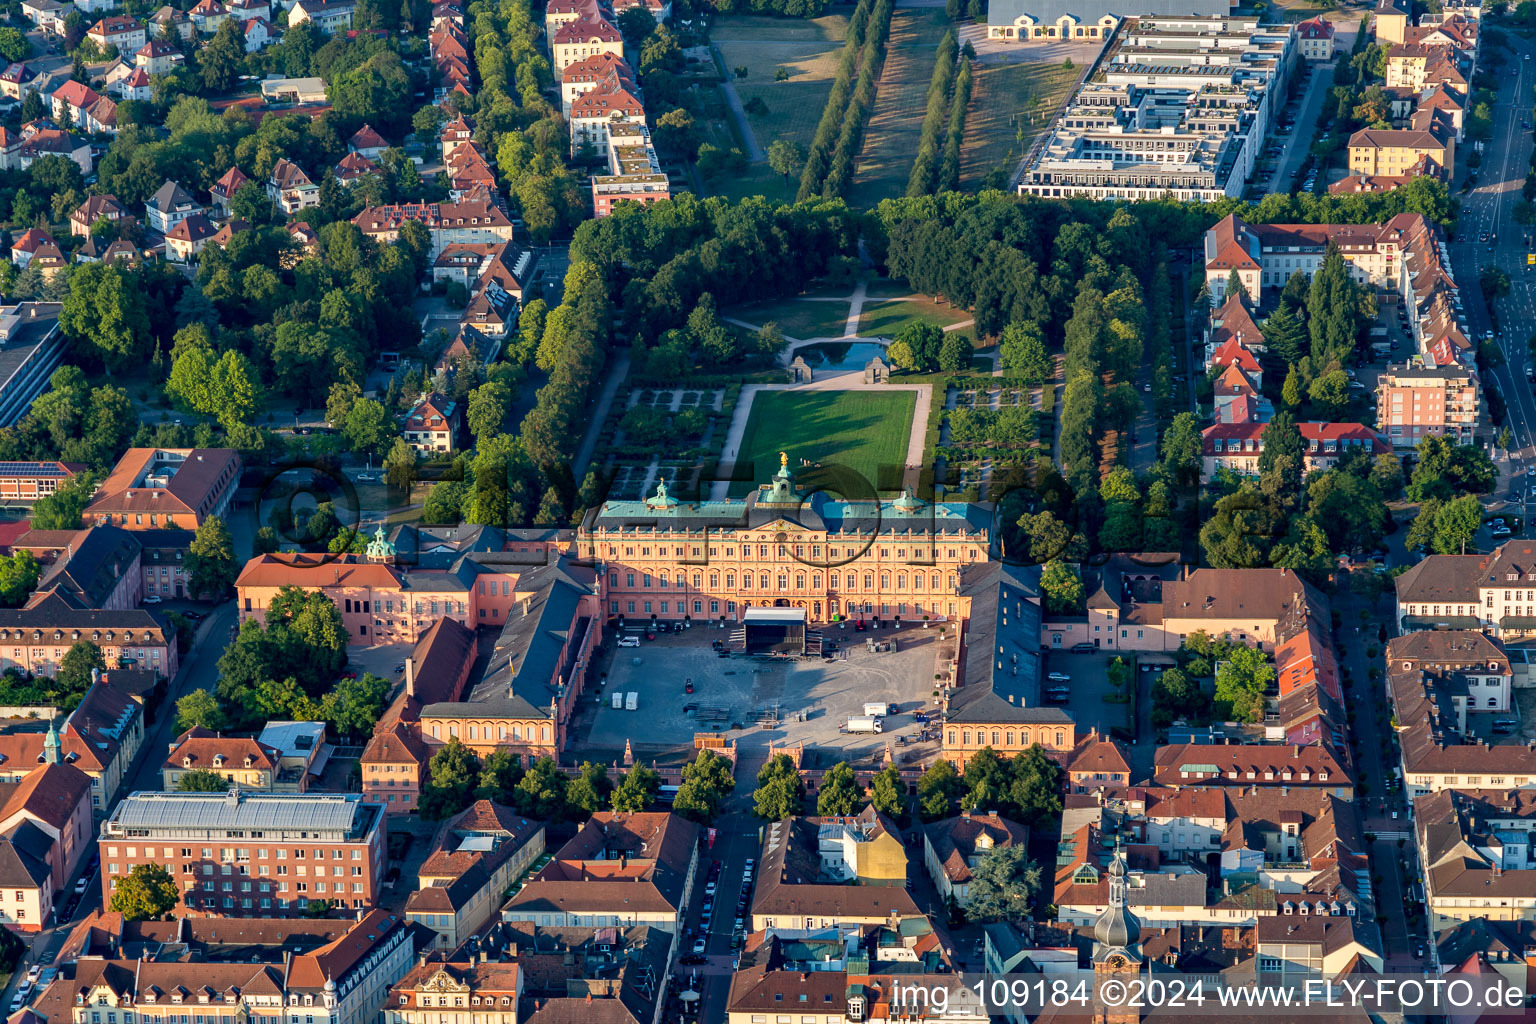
(1084, 648)
(629, 641)
(1058, 677)
(698, 947)
(82, 885)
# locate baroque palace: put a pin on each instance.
(781, 547)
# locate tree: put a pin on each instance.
(1175, 695)
(955, 352)
(888, 793)
(104, 314)
(400, 465)
(1235, 286)
(1003, 885)
(786, 157)
(780, 791)
(352, 706)
(450, 781)
(840, 794)
(1035, 787)
(541, 791)
(202, 780)
(1330, 393)
(13, 45)
(1062, 587)
(937, 791)
(590, 790)
(636, 791)
(500, 773)
(916, 346)
(200, 709)
(74, 675)
(1181, 450)
(487, 409)
(147, 893)
(1455, 525)
(210, 563)
(678, 133)
(18, 576)
(1022, 351)
(368, 427)
(706, 782)
(1241, 678)
(222, 57)
(1446, 469)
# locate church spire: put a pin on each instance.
(51, 742)
(1117, 929)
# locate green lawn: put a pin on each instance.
(884, 319)
(885, 288)
(863, 430)
(807, 52)
(797, 318)
(1004, 99)
(901, 98)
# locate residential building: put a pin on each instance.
(23, 482)
(353, 168)
(290, 188)
(245, 762)
(16, 80)
(151, 488)
(1236, 447)
(45, 827)
(188, 238)
(158, 57)
(1403, 259)
(31, 348)
(96, 208)
(1414, 401)
(97, 567)
(1183, 109)
(433, 424)
(336, 971)
(330, 16)
(592, 72)
(593, 111)
(35, 637)
(325, 847)
(170, 205)
(579, 39)
(459, 992)
(445, 222)
(1315, 36)
(223, 190)
(1390, 21)
(613, 974)
(1294, 950)
(954, 846)
(208, 15)
(1243, 766)
(366, 142)
(302, 753)
(47, 15)
(162, 556)
(1393, 151)
(799, 889)
(1477, 855)
(1097, 765)
(119, 30)
(619, 869)
(476, 856)
(1483, 592)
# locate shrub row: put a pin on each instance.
(920, 181)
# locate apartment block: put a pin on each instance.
(240, 854)
(1414, 401)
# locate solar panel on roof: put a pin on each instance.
(32, 469)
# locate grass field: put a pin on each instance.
(807, 51)
(885, 288)
(1002, 96)
(890, 140)
(797, 318)
(884, 319)
(862, 430)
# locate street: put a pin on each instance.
(1488, 209)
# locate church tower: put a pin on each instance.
(1116, 952)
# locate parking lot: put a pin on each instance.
(761, 700)
(1089, 686)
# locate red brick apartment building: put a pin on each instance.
(251, 854)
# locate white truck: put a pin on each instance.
(864, 723)
(618, 700)
(877, 709)
(631, 700)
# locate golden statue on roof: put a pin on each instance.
(783, 460)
